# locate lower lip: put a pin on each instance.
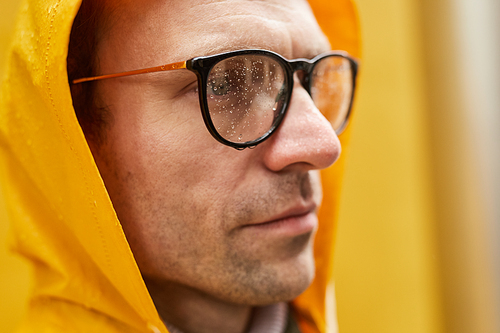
(290, 226)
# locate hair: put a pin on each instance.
(89, 27)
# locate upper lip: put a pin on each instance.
(294, 211)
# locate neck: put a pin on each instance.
(193, 311)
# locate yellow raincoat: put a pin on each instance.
(62, 220)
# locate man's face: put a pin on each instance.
(234, 225)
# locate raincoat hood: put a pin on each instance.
(62, 220)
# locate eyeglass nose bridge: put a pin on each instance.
(301, 64)
(305, 66)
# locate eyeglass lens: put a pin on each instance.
(243, 96)
(331, 89)
(246, 94)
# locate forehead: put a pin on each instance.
(175, 30)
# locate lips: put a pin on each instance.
(297, 220)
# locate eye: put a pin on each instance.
(219, 85)
(190, 89)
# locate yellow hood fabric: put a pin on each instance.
(62, 220)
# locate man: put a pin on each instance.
(222, 237)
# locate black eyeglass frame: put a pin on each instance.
(202, 66)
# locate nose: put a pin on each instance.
(305, 138)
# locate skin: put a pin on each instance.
(215, 231)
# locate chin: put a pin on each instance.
(278, 282)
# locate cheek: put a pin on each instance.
(162, 163)
(149, 130)
(169, 180)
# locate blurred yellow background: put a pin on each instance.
(417, 243)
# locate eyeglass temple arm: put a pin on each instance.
(168, 67)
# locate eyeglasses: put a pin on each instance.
(244, 95)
